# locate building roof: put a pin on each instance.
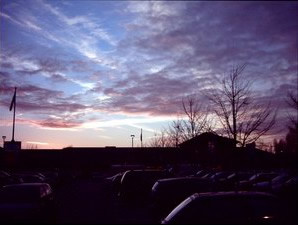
(207, 136)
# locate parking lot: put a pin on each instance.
(113, 196)
(90, 200)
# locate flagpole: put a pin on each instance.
(141, 138)
(14, 114)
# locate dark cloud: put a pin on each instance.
(66, 122)
(58, 78)
(201, 40)
(21, 63)
(59, 123)
(6, 65)
(32, 98)
(220, 33)
(156, 94)
(52, 65)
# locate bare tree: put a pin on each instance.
(241, 117)
(31, 147)
(160, 140)
(195, 122)
(291, 137)
(289, 144)
(183, 129)
(292, 101)
(175, 133)
(196, 117)
(154, 141)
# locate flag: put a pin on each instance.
(141, 136)
(13, 101)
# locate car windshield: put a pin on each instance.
(178, 209)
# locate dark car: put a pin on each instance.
(115, 182)
(136, 184)
(272, 185)
(232, 181)
(31, 178)
(259, 177)
(222, 175)
(230, 208)
(168, 193)
(237, 177)
(26, 203)
(6, 178)
(201, 173)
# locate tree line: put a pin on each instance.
(234, 108)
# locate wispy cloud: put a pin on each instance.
(135, 122)
(23, 23)
(37, 143)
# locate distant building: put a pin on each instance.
(208, 141)
(12, 145)
(211, 149)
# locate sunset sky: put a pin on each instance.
(91, 73)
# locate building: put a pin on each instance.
(209, 149)
(209, 142)
(12, 145)
(213, 150)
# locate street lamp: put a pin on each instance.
(132, 137)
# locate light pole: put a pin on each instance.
(132, 137)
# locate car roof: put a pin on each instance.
(231, 194)
(181, 179)
(25, 185)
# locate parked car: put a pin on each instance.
(30, 178)
(26, 203)
(185, 169)
(136, 184)
(6, 178)
(290, 187)
(201, 173)
(115, 182)
(229, 208)
(256, 178)
(289, 193)
(52, 178)
(239, 176)
(231, 182)
(274, 184)
(168, 193)
(219, 176)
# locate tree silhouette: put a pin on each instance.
(195, 122)
(293, 103)
(289, 145)
(242, 118)
(160, 140)
(175, 132)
